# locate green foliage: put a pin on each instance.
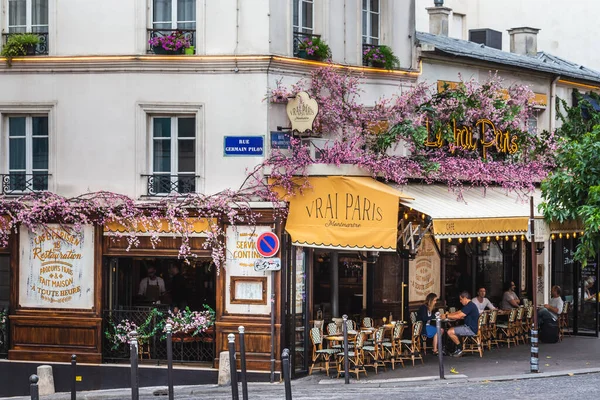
(17, 45)
(316, 48)
(572, 191)
(381, 55)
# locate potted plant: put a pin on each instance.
(380, 57)
(314, 48)
(20, 44)
(174, 43)
(119, 334)
(189, 323)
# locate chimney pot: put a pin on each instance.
(438, 20)
(523, 41)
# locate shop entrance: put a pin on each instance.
(137, 289)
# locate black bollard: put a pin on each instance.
(243, 362)
(232, 367)
(169, 329)
(34, 391)
(285, 365)
(133, 355)
(346, 360)
(438, 325)
(534, 362)
(74, 377)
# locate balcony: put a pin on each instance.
(367, 47)
(154, 33)
(164, 185)
(18, 184)
(299, 37)
(42, 47)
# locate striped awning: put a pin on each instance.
(195, 226)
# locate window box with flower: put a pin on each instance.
(119, 334)
(189, 323)
(174, 43)
(380, 57)
(314, 48)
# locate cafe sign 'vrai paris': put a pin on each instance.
(302, 111)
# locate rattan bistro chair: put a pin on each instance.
(367, 322)
(375, 354)
(412, 346)
(507, 330)
(393, 349)
(474, 344)
(492, 329)
(319, 353)
(356, 358)
(563, 320)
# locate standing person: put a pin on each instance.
(152, 287)
(551, 311)
(426, 315)
(470, 314)
(482, 302)
(510, 299)
(178, 289)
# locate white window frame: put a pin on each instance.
(173, 21)
(174, 139)
(144, 140)
(367, 36)
(28, 17)
(300, 28)
(33, 109)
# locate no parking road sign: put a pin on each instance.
(267, 244)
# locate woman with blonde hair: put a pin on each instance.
(427, 316)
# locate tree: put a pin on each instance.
(572, 190)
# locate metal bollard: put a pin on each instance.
(232, 367)
(74, 377)
(241, 330)
(346, 361)
(438, 325)
(285, 365)
(534, 363)
(34, 391)
(169, 329)
(133, 355)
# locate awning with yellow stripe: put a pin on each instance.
(476, 212)
(195, 226)
(345, 212)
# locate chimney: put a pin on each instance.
(523, 41)
(438, 18)
(488, 37)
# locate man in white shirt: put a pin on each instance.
(152, 287)
(552, 310)
(482, 302)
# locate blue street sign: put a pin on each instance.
(244, 146)
(280, 140)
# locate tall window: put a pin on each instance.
(173, 155)
(174, 14)
(28, 152)
(28, 16)
(370, 21)
(303, 16)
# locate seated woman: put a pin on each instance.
(427, 316)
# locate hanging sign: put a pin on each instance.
(56, 267)
(267, 264)
(302, 111)
(267, 244)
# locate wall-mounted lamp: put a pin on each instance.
(539, 247)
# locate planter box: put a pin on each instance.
(161, 50)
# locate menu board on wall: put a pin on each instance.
(243, 292)
(56, 267)
(424, 272)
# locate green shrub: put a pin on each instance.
(18, 44)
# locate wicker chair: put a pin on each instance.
(356, 358)
(376, 353)
(563, 320)
(474, 344)
(393, 349)
(319, 353)
(507, 330)
(492, 329)
(412, 346)
(519, 325)
(367, 322)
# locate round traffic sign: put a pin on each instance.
(267, 244)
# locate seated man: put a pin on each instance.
(470, 314)
(482, 302)
(551, 311)
(510, 299)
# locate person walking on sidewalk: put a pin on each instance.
(470, 313)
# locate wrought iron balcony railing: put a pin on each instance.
(17, 183)
(42, 47)
(155, 33)
(299, 37)
(163, 185)
(367, 47)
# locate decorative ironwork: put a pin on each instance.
(162, 185)
(188, 33)
(299, 37)
(365, 48)
(18, 183)
(41, 49)
(198, 348)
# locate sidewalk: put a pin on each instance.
(575, 355)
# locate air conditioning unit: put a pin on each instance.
(316, 146)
